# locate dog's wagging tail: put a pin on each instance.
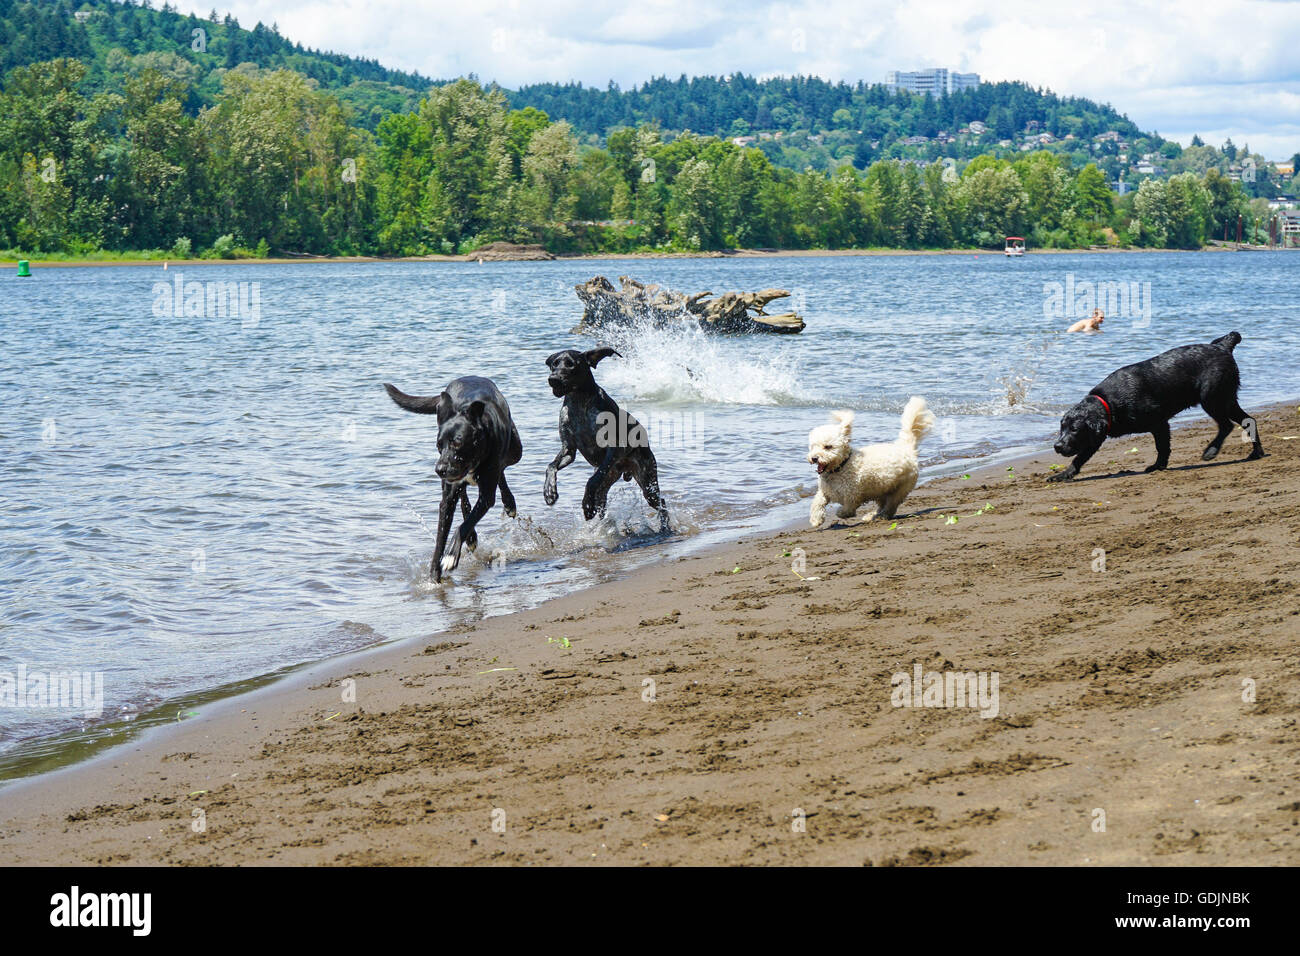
(413, 403)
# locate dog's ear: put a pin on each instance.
(594, 356)
(475, 411)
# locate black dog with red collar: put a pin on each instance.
(1143, 397)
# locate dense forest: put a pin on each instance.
(128, 128)
(820, 122)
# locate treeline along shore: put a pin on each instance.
(171, 154)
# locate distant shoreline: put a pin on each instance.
(600, 256)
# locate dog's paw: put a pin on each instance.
(1255, 455)
(1155, 466)
(1211, 452)
(449, 561)
(471, 541)
(510, 512)
(1060, 476)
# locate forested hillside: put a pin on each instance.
(124, 128)
(859, 122)
(116, 39)
(848, 122)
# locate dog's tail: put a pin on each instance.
(413, 403)
(916, 422)
(1228, 341)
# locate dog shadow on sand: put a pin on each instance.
(859, 521)
(1194, 466)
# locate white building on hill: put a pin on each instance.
(934, 82)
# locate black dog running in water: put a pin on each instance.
(612, 441)
(477, 441)
(1144, 396)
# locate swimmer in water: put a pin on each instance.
(1090, 324)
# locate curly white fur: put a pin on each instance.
(850, 477)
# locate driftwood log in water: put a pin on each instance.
(636, 302)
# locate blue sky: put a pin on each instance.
(1220, 69)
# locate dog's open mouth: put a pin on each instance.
(821, 466)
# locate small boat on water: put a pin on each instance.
(1015, 246)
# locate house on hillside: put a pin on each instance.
(1289, 221)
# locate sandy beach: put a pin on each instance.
(740, 706)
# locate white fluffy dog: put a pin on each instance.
(850, 477)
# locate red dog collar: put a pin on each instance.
(1110, 427)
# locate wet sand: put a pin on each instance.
(726, 709)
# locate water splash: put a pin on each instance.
(682, 364)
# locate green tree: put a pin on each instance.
(992, 204)
(1047, 186)
(404, 162)
(159, 185)
(692, 211)
(1188, 203)
(1151, 212)
(52, 144)
(470, 193)
(1092, 197)
(547, 198)
(1226, 203)
(521, 125)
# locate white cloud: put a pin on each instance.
(1221, 67)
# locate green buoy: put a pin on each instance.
(23, 268)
